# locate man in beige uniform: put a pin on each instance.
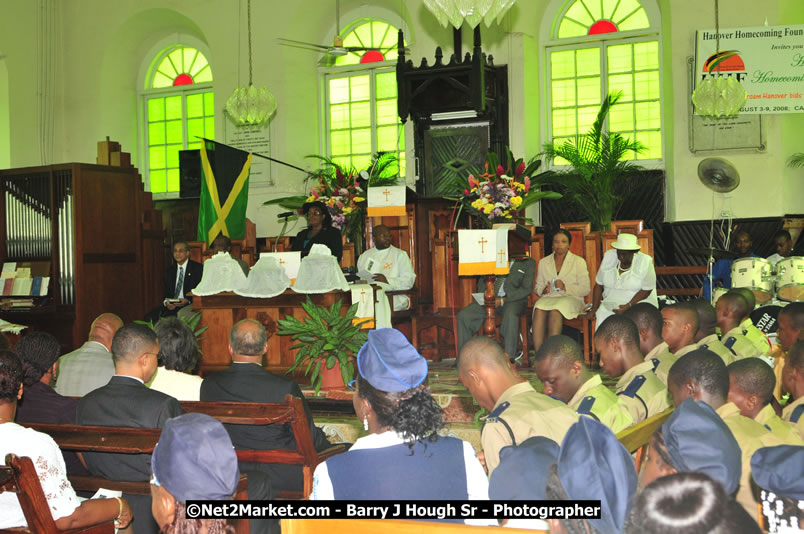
(517, 411)
(793, 378)
(679, 326)
(639, 390)
(702, 376)
(730, 310)
(648, 320)
(751, 384)
(754, 334)
(707, 338)
(559, 365)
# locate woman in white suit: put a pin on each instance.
(561, 284)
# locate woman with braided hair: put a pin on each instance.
(402, 457)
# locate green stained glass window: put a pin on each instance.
(378, 37)
(362, 116)
(179, 108)
(583, 70)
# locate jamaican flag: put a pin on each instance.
(224, 191)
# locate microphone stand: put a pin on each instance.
(282, 232)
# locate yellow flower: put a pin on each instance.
(347, 210)
(488, 208)
(477, 204)
(358, 199)
(516, 202)
(311, 198)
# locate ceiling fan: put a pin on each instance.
(336, 49)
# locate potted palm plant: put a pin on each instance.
(597, 176)
(327, 343)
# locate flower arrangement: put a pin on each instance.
(343, 191)
(502, 195)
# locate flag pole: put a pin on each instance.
(259, 156)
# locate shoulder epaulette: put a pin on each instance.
(796, 415)
(704, 346)
(585, 408)
(730, 343)
(656, 363)
(495, 413)
(633, 387)
(768, 427)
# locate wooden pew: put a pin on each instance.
(143, 440)
(19, 476)
(636, 438)
(386, 526)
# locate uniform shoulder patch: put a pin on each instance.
(656, 363)
(633, 387)
(729, 342)
(797, 413)
(704, 347)
(496, 412)
(585, 408)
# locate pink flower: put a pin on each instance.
(527, 185)
(465, 191)
(520, 169)
(473, 181)
(500, 170)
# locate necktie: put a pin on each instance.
(179, 282)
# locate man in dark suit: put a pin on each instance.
(512, 293)
(180, 279)
(247, 381)
(126, 401)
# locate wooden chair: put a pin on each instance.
(245, 249)
(386, 526)
(585, 244)
(637, 438)
(19, 476)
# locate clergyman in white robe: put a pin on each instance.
(395, 265)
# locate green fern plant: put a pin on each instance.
(598, 175)
(325, 337)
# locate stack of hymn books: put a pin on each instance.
(25, 279)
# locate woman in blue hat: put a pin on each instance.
(403, 457)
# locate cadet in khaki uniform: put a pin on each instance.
(517, 411)
(639, 390)
(754, 334)
(559, 365)
(706, 338)
(751, 385)
(729, 309)
(679, 326)
(649, 322)
(702, 376)
(793, 380)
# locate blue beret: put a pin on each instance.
(389, 362)
(195, 459)
(594, 465)
(698, 441)
(522, 472)
(780, 470)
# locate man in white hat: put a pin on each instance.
(626, 277)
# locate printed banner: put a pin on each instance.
(290, 261)
(482, 252)
(767, 60)
(363, 296)
(386, 201)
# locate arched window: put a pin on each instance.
(178, 109)
(360, 109)
(602, 46)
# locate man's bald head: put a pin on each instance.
(248, 339)
(103, 329)
(736, 303)
(748, 295)
(707, 318)
(481, 351)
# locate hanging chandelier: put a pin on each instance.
(718, 96)
(250, 105)
(456, 12)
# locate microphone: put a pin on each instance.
(286, 214)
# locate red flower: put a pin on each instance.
(500, 170)
(527, 185)
(465, 191)
(339, 175)
(520, 169)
